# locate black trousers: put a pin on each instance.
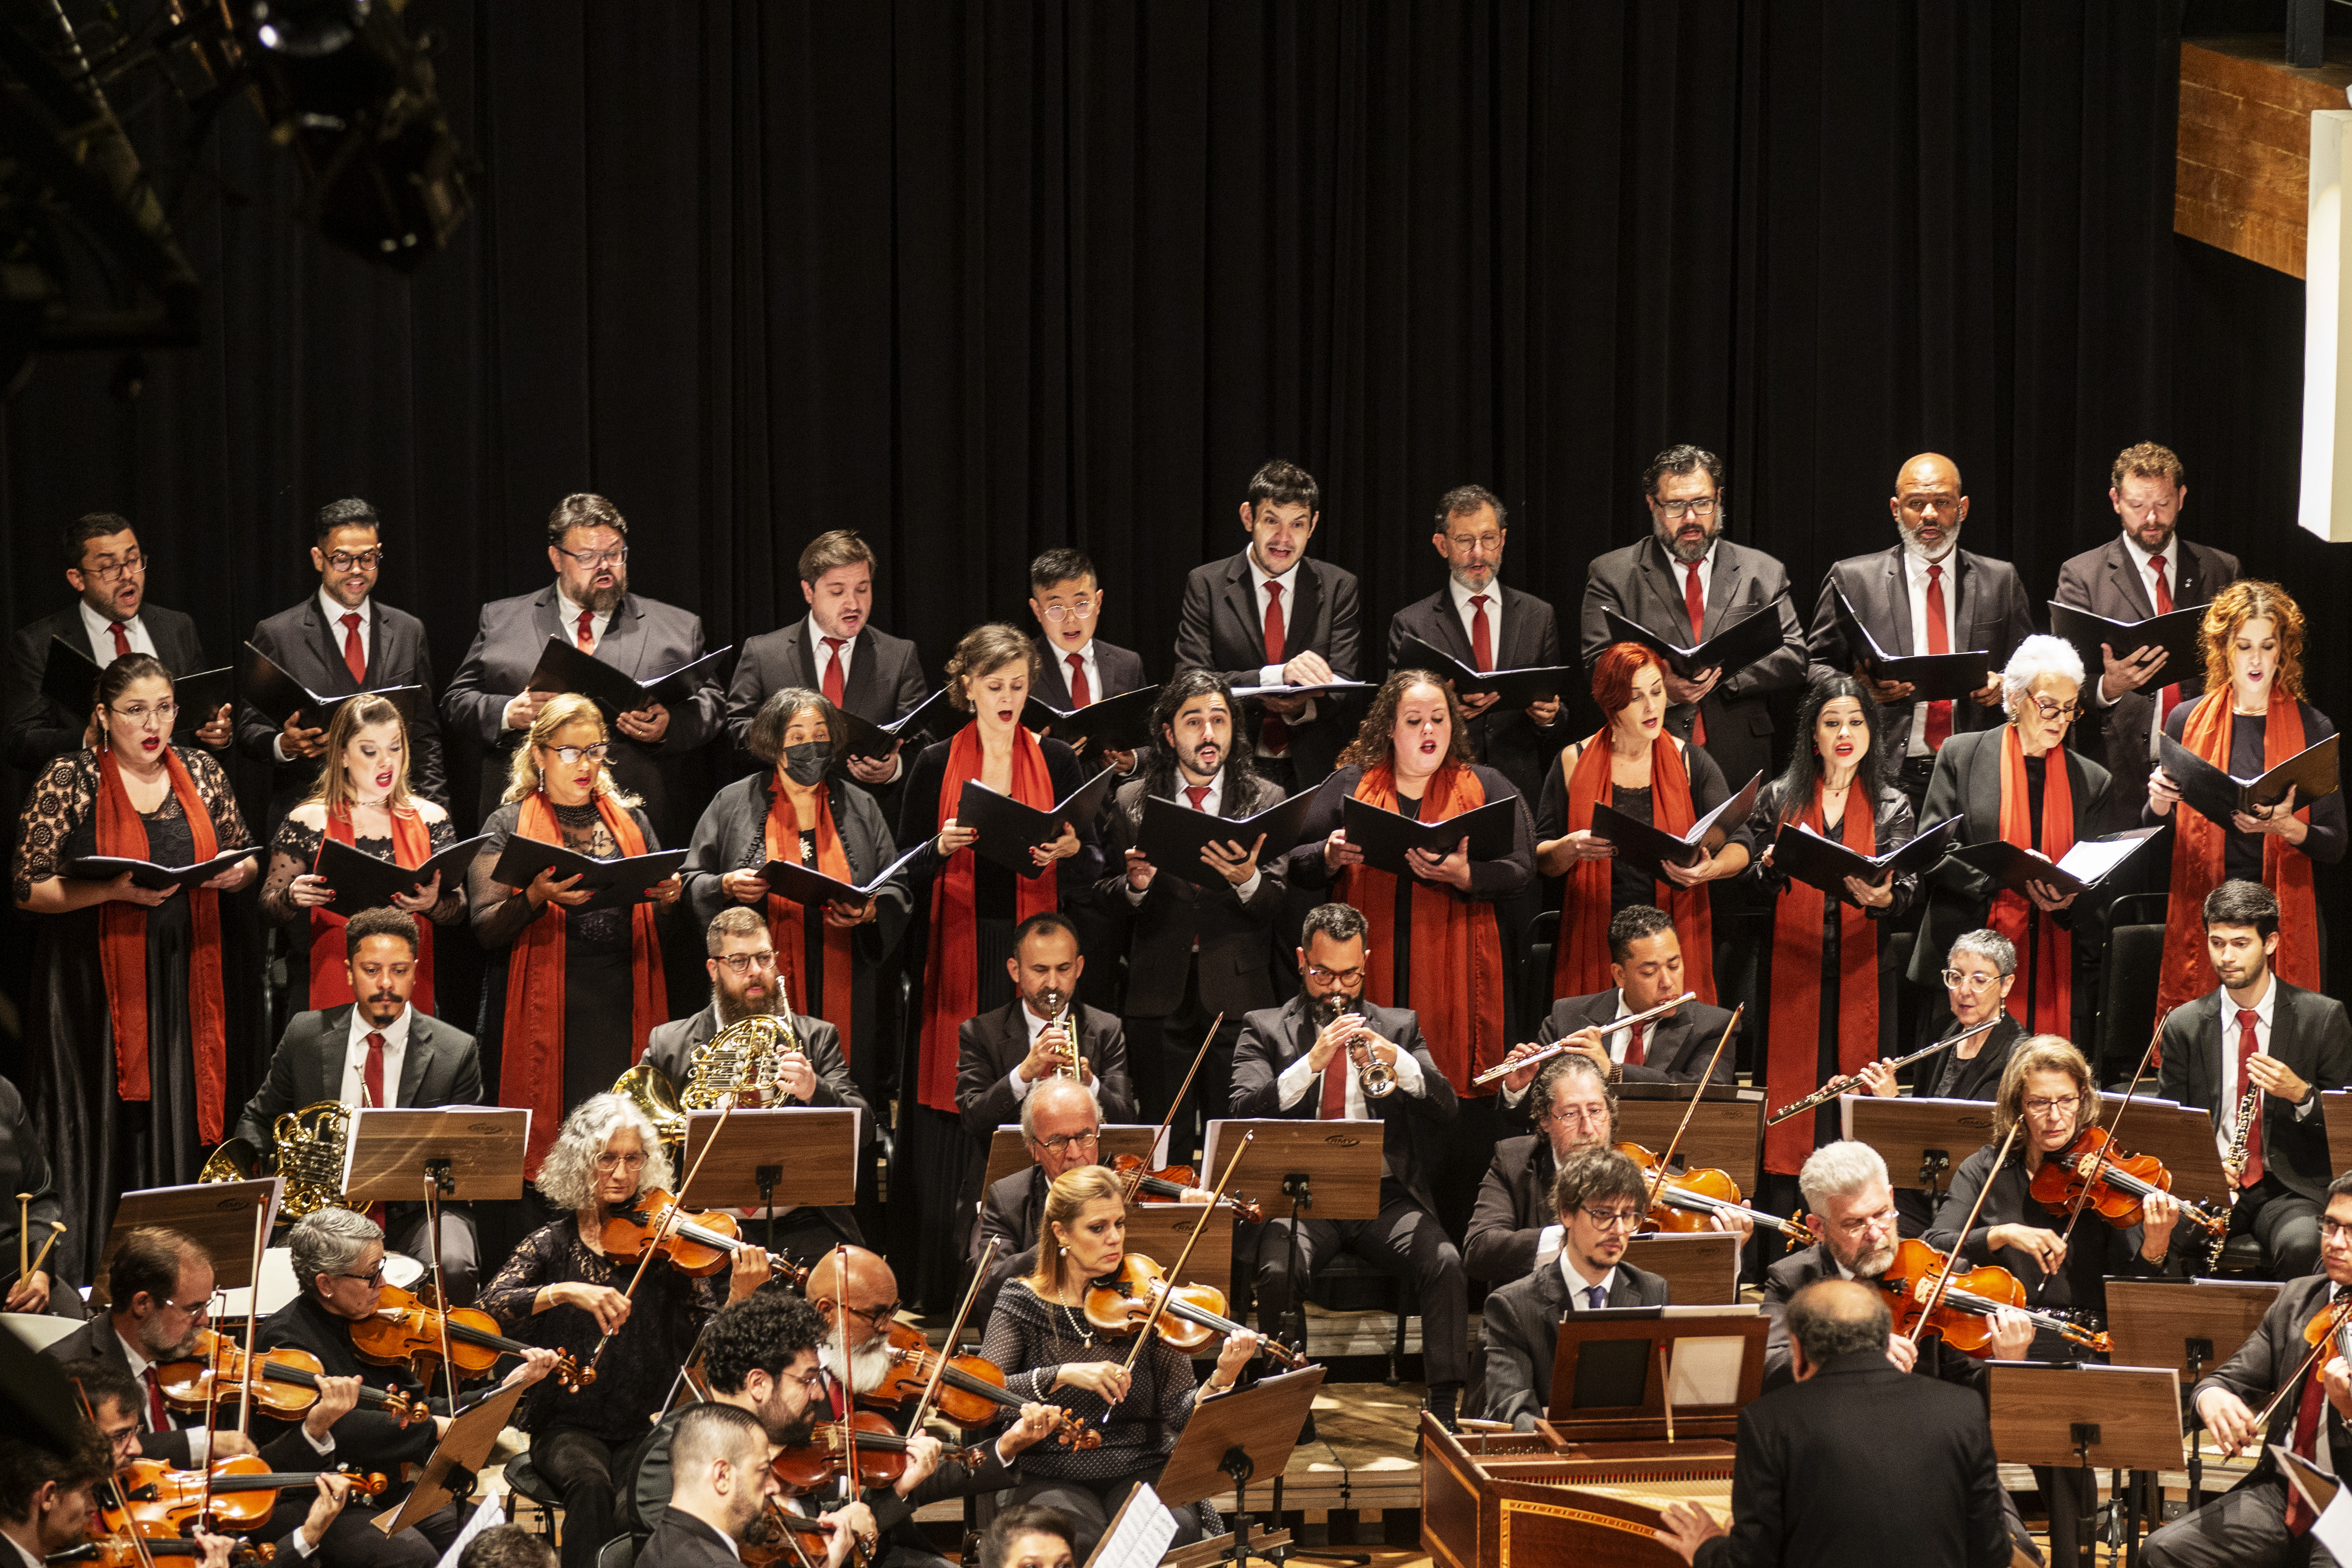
(1404, 1239)
(1159, 1051)
(2285, 1223)
(584, 1470)
(2244, 1529)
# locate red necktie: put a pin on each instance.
(1274, 732)
(2247, 1046)
(371, 1075)
(1081, 694)
(1633, 1046)
(1695, 604)
(1939, 640)
(355, 655)
(1196, 793)
(158, 1418)
(587, 636)
(2299, 1516)
(1334, 1088)
(2171, 693)
(1482, 635)
(122, 639)
(832, 647)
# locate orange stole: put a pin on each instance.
(787, 921)
(330, 979)
(2054, 959)
(1581, 955)
(1794, 1059)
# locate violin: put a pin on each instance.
(771, 1536)
(1689, 1198)
(881, 1455)
(120, 1549)
(1170, 1183)
(2118, 1184)
(1963, 1314)
(971, 1390)
(405, 1331)
(228, 1495)
(1119, 1303)
(285, 1382)
(694, 1243)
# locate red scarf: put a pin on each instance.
(2052, 961)
(122, 946)
(331, 978)
(531, 1073)
(1580, 962)
(1455, 940)
(951, 980)
(1794, 1059)
(782, 840)
(2197, 847)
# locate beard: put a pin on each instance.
(1913, 548)
(869, 1364)
(1873, 1263)
(732, 1010)
(1676, 549)
(1322, 1010)
(607, 599)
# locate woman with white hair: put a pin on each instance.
(2002, 784)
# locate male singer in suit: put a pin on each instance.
(106, 566)
(1306, 1059)
(1486, 625)
(1075, 667)
(1925, 595)
(2261, 1520)
(741, 963)
(2148, 569)
(1686, 582)
(1922, 1447)
(2256, 1030)
(1270, 616)
(1515, 1227)
(340, 641)
(1598, 1198)
(590, 606)
(378, 1050)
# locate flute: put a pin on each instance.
(1844, 1082)
(1549, 1051)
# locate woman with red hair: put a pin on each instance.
(1635, 766)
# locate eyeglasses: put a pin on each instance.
(2052, 1106)
(1061, 1140)
(375, 1277)
(2329, 1230)
(811, 1382)
(589, 559)
(1614, 1220)
(2069, 711)
(1579, 1116)
(881, 1314)
(1081, 609)
(1485, 543)
(615, 1162)
(1862, 1224)
(131, 565)
(1703, 507)
(1322, 976)
(1970, 982)
(742, 963)
(366, 560)
(570, 756)
(139, 713)
(203, 1309)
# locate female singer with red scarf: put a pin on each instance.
(1832, 1005)
(973, 906)
(2251, 718)
(127, 1039)
(2000, 783)
(579, 990)
(362, 799)
(1638, 768)
(1435, 941)
(804, 811)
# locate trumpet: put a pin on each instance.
(1376, 1078)
(1844, 1082)
(1055, 1005)
(1557, 1047)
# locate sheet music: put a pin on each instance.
(1139, 1537)
(1705, 1371)
(492, 1512)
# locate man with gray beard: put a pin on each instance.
(1924, 595)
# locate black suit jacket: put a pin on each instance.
(682, 1541)
(1513, 1210)
(1993, 614)
(1412, 1127)
(885, 678)
(2267, 1359)
(96, 1340)
(1920, 1440)
(302, 643)
(1121, 670)
(365, 1436)
(38, 729)
(989, 1046)
(1236, 939)
(1800, 1269)
(1222, 628)
(1641, 583)
(1523, 1322)
(1011, 1211)
(2109, 582)
(1505, 739)
(1675, 1049)
(23, 1168)
(440, 1066)
(2309, 1033)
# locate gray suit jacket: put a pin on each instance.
(1639, 582)
(645, 639)
(2309, 1033)
(1221, 628)
(37, 729)
(885, 679)
(1675, 1049)
(302, 643)
(1121, 670)
(440, 1068)
(1235, 939)
(731, 836)
(1523, 1322)
(989, 1046)
(1505, 739)
(1993, 614)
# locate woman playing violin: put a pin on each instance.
(1040, 1336)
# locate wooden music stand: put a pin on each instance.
(1923, 1140)
(1700, 1267)
(1159, 1231)
(1604, 1357)
(1008, 1151)
(465, 1446)
(1726, 1130)
(2193, 1325)
(472, 1150)
(2093, 1417)
(1332, 1168)
(1237, 1437)
(2182, 1137)
(217, 1215)
(787, 1157)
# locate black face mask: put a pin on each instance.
(805, 763)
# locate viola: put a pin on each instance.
(1689, 1198)
(2119, 1183)
(694, 1244)
(1170, 1183)
(1119, 1304)
(226, 1496)
(1963, 1314)
(285, 1382)
(405, 1331)
(972, 1389)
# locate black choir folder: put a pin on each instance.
(2180, 634)
(867, 739)
(1173, 834)
(1637, 840)
(1750, 639)
(616, 883)
(1120, 723)
(2310, 773)
(1385, 835)
(563, 667)
(1009, 830)
(1824, 863)
(1516, 687)
(147, 874)
(2080, 869)
(1933, 677)
(69, 678)
(807, 886)
(363, 882)
(278, 696)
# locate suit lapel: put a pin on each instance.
(1298, 617)
(329, 647)
(1658, 573)
(1723, 586)
(861, 688)
(1442, 629)
(1241, 602)
(2130, 584)
(622, 644)
(334, 1044)
(1898, 603)
(546, 617)
(415, 1059)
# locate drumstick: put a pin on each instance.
(56, 1229)
(24, 1241)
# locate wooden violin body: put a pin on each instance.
(227, 1496)
(1170, 1183)
(1689, 1201)
(881, 1454)
(1963, 1313)
(694, 1243)
(1119, 1304)
(405, 1331)
(285, 1382)
(2118, 1184)
(971, 1390)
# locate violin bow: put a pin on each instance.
(114, 1485)
(1168, 1276)
(440, 1290)
(1135, 1182)
(2340, 1317)
(661, 1231)
(955, 1331)
(1952, 1259)
(1698, 1093)
(24, 1217)
(2100, 1160)
(848, 1388)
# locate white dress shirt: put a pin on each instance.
(2225, 1117)
(101, 641)
(1086, 657)
(1298, 1080)
(22, 1555)
(1211, 802)
(1271, 675)
(1036, 1026)
(2170, 556)
(820, 655)
(1580, 1298)
(1915, 578)
(569, 614)
(395, 1051)
(1493, 594)
(332, 608)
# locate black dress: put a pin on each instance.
(1637, 881)
(101, 1146)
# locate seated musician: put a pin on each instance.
(1646, 959)
(741, 962)
(1040, 1336)
(2261, 1520)
(1598, 1197)
(377, 1050)
(1515, 1229)
(161, 1301)
(1980, 972)
(1306, 1059)
(1849, 1422)
(48, 1499)
(562, 1290)
(1027, 1536)
(2257, 1033)
(1002, 1056)
(338, 1258)
(721, 1487)
(25, 1172)
(507, 1546)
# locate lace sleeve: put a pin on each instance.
(219, 797)
(58, 802)
(498, 915)
(294, 851)
(509, 1294)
